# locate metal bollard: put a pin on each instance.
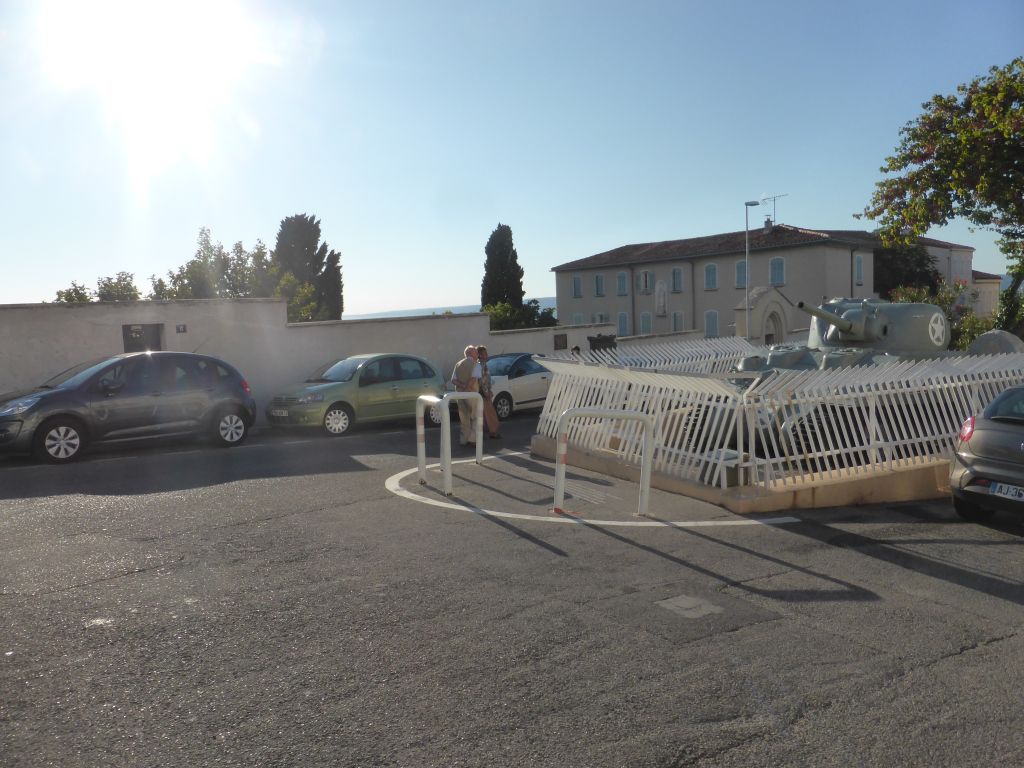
(425, 401)
(562, 450)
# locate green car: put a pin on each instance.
(361, 388)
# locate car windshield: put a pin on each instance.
(75, 375)
(498, 366)
(342, 370)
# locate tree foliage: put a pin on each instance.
(121, 287)
(902, 266)
(215, 273)
(314, 289)
(76, 294)
(302, 270)
(503, 277)
(962, 157)
(505, 317)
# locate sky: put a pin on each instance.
(412, 129)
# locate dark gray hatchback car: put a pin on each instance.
(986, 474)
(137, 396)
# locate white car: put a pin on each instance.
(518, 382)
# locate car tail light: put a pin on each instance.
(967, 429)
(245, 386)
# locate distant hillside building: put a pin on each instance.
(699, 285)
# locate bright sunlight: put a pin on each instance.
(165, 75)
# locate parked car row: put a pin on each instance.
(149, 395)
(152, 395)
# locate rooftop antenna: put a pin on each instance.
(773, 198)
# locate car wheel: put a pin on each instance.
(60, 440)
(503, 405)
(229, 428)
(971, 512)
(432, 416)
(338, 420)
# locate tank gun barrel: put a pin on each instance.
(844, 326)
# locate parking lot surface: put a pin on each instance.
(302, 600)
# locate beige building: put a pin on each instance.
(699, 285)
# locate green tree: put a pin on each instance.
(214, 272)
(503, 277)
(76, 294)
(118, 288)
(962, 157)
(902, 266)
(316, 285)
(505, 317)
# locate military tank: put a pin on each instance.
(845, 332)
(855, 332)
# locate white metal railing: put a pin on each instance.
(714, 355)
(428, 401)
(562, 450)
(812, 425)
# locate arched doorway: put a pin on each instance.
(774, 332)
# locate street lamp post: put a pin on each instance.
(746, 260)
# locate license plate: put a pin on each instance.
(1007, 491)
(278, 412)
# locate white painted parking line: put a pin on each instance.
(394, 484)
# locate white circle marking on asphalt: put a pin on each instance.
(394, 484)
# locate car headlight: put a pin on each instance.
(311, 397)
(14, 407)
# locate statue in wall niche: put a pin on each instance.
(660, 299)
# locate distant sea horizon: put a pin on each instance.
(545, 303)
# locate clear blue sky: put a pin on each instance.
(411, 129)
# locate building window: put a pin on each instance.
(577, 287)
(710, 277)
(858, 269)
(711, 323)
(645, 323)
(677, 322)
(577, 318)
(677, 280)
(599, 285)
(621, 284)
(777, 271)
(623, 329)
(644, 281)
(600, 317)
(741, 274)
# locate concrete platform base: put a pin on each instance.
(923, 479)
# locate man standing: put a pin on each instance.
(464, 381)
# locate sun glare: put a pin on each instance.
(164, 75)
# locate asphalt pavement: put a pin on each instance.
(302, 600)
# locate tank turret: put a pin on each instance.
(911, 330)
(846, 332)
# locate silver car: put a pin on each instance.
(987, 471)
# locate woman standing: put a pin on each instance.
(490, 415)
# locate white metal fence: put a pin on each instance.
(714, 429)
(697, 356)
